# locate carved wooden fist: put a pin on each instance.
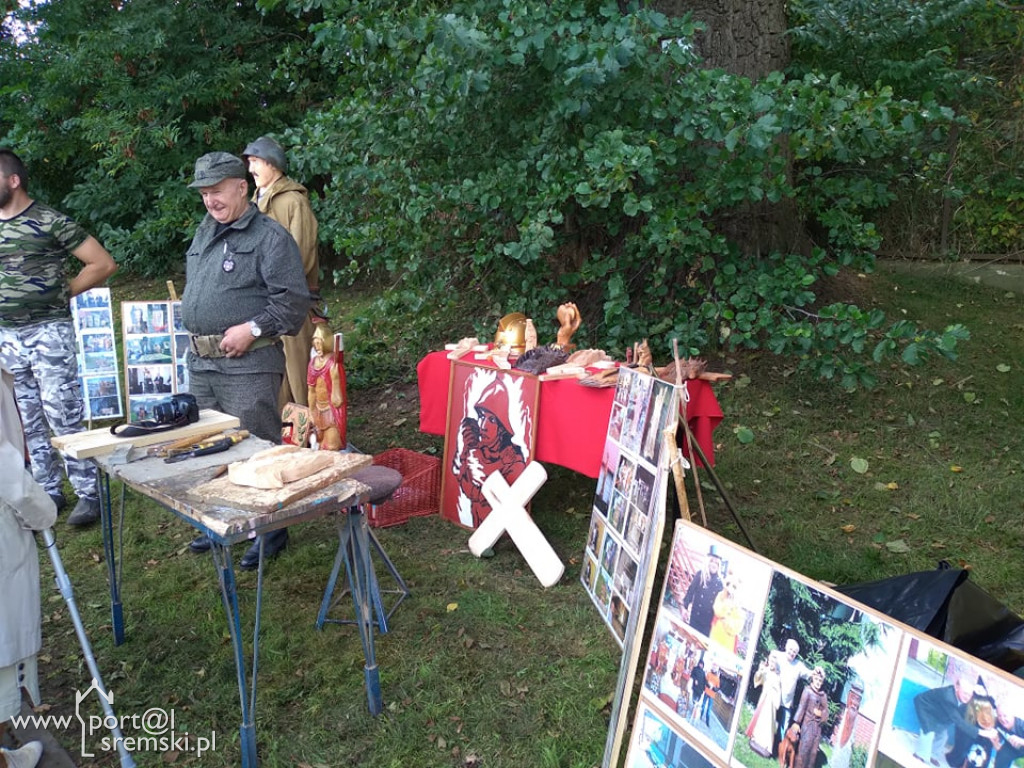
(568, 321)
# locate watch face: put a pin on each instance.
(255, 329)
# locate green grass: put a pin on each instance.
(483, 666)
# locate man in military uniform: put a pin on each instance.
(36, 329)
(244, 289)
(287, 203)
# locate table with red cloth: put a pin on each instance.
(572, 420)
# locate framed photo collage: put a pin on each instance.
(155, 344)
(748, 664)
(97, 354)
(752, 665)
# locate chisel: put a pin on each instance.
(207, 447)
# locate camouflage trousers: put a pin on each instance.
(49, 396)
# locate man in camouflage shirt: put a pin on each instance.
(36, 328)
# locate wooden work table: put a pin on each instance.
(192, 490)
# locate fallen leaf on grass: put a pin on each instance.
(452, 607)
(913, 516)
(170, 756)
(990, 518)
(849, 528)
(956, 468)
(859, 465)
(898, 546)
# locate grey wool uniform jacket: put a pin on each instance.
(246, 270)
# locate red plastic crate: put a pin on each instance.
(420, 491)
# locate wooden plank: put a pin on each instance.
(97, 442)
(222, 491)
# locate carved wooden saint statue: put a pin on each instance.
(326, 380)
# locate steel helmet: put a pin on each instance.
(265, 148)
(512, 333)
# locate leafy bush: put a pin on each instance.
(574, 152)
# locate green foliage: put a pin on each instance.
(574, 152)
(516, 153)
(963, 53)
(111, 103)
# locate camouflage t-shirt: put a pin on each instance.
(34, 249)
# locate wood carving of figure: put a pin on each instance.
(326, 392)
(487, 447)
(761, 731)
(811, 716)
(568, 322)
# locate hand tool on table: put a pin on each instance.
(183, 444)
(206, 447)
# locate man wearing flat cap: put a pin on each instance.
(244, 289)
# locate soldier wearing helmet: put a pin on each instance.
(287, 203)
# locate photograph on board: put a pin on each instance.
(103, 400)
(822, 671)
(654, 744)
(716, 588)
(949, 711)
(693, 683)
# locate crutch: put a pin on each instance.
(64, 585)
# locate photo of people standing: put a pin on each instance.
(821, 674)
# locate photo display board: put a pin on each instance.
(750, 664)
(155, 343)
(630, 500)
(97, 354)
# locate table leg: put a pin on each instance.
(362, 582)
(112, 555)
(247, 696)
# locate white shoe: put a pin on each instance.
(25, 756)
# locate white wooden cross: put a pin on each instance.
(508, 514)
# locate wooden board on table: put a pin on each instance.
(96, 442)
(222, 491)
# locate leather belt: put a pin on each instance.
(209, 346)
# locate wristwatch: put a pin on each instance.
(254, 329)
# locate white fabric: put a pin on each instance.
(12, 680)
(24, 507)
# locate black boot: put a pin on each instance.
(274, 542)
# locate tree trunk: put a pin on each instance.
(747, 38)
(744, 37)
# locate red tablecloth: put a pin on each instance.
(572, 421)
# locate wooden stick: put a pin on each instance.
(675, 461)
(171, 290)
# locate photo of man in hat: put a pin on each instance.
(699, 602)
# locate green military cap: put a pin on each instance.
(213, 168)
